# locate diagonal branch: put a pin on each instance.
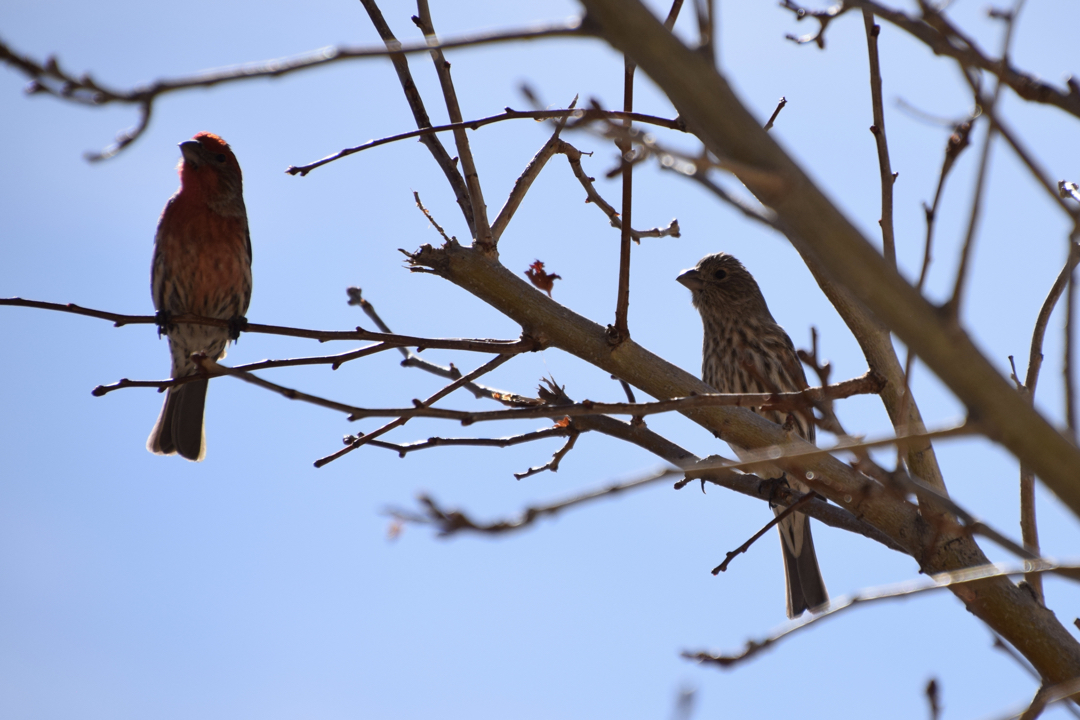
(416, 104)
(937, 581)
(353, 443)
(449, 372)
(481, 231)
(527, 177)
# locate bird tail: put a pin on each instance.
(179, 428)
(805, 586)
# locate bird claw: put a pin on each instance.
(773, 486)
(162, 319)
(237, 325)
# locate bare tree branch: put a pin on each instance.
(420, 115)
(502, 347)
(449, 372)
(770, 401)
(826, 237)
(943, 38)
(527, 177)
(48, 77)
(580, 117)
(481, 228)
(888, 239)
(937, 581)
(798, 505)
(451, 522)
(553, 463)
(772, 118)
(354, 442)
(404, 449)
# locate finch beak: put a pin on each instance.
(691, 279)
(191, 150)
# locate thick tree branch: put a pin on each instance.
(713, 112)
(937, 547)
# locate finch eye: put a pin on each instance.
(220, 157)
(720, 274)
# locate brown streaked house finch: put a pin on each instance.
(745, 351)
(202, 266)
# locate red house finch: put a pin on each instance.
(202, 266)
(745, 351)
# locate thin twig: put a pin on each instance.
(956, 144)
(581, 117)
(866, 384)
(888, 239)
(427, 214)
(1013, 140)
(553, 463)
(502, 347)
(450, 522)
(403, 449)
(1048, 695)
(823, 17)
(935, 31)
(118, 319)
(798, 505)
(1028, 526)
(1000, 644)
(353, 443)
(573, 156)
(444, 371)
(958, 141)
(356, 297)
(953, 304)
(706, 22)
(932, 699)
(49, 78)
(527, 177)
(213, 368)
(1069, 366)
(766, 457)
(775, 113)
(334, 361)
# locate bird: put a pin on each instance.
(745, 351)
(201, 266)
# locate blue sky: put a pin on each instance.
(253, 585)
